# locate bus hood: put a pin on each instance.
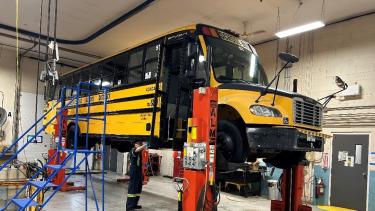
(260, 88)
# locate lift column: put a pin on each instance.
(200, 152)
(291, 191)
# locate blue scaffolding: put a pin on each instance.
(81, 91)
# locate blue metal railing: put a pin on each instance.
(72, 152)
(15, 143)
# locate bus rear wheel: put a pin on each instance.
(230, 141)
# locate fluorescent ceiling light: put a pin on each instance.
(300, 29)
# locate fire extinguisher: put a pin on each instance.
(319, 187)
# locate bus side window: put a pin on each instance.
(107, 73)
(171, 69)
(151, 61)
(135, 66)
(120, 65)
(201, 71)
(85, 75)
(76, 78)
(95, 74)
(68, 83)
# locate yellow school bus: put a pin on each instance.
(151, 85)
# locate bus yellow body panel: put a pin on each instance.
(123, 124)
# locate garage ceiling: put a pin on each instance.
(79, 19)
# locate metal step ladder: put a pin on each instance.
(64, 105)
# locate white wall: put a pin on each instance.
(28, 86)
(27, 110)
(7, 85)
(345, 49)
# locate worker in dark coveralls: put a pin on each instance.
(135, 183)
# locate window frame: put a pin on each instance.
(124, 79)
(129, 69)
(152, 59)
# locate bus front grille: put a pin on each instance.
(307, 113)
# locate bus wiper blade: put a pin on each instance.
(277, 76)
(288, 59)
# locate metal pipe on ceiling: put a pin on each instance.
(34, 51)
(91, 37)
(60, 48)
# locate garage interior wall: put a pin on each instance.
(344, 49)
(28, 91)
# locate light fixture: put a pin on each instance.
(300, 29)
(201, 58)
(106, 83)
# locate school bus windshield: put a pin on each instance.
(233, 63)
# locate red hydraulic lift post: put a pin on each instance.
(200, 152)
(291, 191)
(60, 177)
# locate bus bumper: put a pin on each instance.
(289, 139)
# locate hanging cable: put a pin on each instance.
(48, 30)
(17, 35)
(323, 11)
(287, 70)
(47, 42)
(18, 81)
(54, 32)
(38, 67)
(49, 74)
(55, 59)
(300, 3)
(277, 42)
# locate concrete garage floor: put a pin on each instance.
(159, 194)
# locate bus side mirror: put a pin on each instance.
(288, 57)
(340, 83)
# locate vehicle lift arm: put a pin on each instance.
(198, 191)
(292, 183)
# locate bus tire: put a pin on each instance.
(230, 141)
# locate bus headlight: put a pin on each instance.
(260, 110)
